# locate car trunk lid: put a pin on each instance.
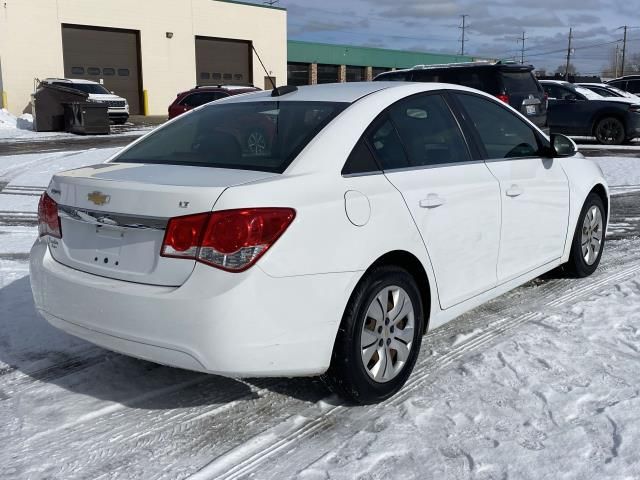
(113, 216)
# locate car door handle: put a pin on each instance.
(433, 200)
(514, 191)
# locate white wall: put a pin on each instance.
(31, 40)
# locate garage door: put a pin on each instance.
(107, 55)
(222, 61)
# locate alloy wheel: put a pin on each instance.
(592, 234)
(387, 334)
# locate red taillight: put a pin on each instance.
(231, 240)
(48, 220)
(504, 97)
(182, 237)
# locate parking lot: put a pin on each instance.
(505, 385)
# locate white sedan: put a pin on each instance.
(376, 212)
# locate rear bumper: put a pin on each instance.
(247, 324)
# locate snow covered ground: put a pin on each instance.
(20, 129)
(541, 383)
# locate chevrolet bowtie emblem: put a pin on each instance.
(98, 198)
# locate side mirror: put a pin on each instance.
(563, 146)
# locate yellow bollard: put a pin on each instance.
(145, 102)
(5, 102)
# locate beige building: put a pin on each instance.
(144, 50)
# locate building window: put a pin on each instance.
(375, 71)
(123, 72)
(93, 71)
(328, 73)
(356, 74)
(297, 74)
(204, 75)
(77, 70)
(108, 71)
(237, 77)
(216, 76)
(227, 77)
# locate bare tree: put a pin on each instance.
(561, 69)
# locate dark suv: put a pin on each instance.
(628, 83)
(512, 83)
(195, 97)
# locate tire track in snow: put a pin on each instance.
(248, 458)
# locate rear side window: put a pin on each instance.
(385, 142)
(428, 131)
(360, 160)
(519, 82)
(473, 77)
(502, 133)
(262, 136)
(633, 86)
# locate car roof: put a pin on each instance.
(340, 92)
(594, 84)
(556, 82)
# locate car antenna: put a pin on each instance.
(263, 67)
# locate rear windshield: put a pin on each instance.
(263, 136)
(519, 82)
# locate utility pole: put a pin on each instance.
(464, 28)
(566, 70)
(522, 50)
(624, 49)
(617, 57)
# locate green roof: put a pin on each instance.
(326, 53)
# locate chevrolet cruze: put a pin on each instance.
(377, 212)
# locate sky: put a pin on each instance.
(495, 27)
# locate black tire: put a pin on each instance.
(610, 131)
(347, 376)
(577, 266)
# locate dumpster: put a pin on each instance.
(86, 118)
(47, 106)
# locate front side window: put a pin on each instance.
(429, 131)
(262, 136)
(501, 132)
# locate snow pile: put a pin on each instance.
(9, 122)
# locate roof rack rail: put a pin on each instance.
(458, 64)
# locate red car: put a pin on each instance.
(195, 97)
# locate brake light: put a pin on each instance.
(48, 219)
(504, 97)
(232, 240)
